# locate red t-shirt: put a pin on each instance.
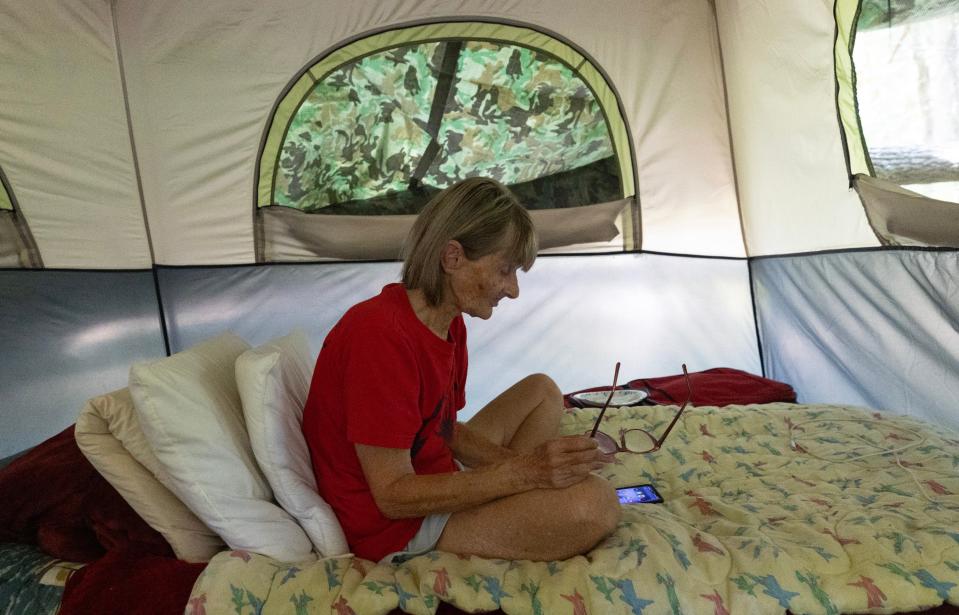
(382, 379)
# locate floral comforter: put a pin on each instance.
(814, 509)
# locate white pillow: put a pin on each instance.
(109, 435)
(274, 380)
(190, 413)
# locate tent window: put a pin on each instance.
(364, 135)
(17, 247)
(378, 127)
(907, 88)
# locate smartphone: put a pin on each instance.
(639, 494)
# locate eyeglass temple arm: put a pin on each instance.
(689, 396)
(612, 392)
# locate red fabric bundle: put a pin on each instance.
(720, 386)
(130, 585)
(54, 498)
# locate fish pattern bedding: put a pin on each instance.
(768, 508)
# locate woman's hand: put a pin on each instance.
(560, 462)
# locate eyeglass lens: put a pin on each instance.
(629, 441)
(634, 440)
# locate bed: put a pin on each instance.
(31, 581)
(750, 525)
(770, 508)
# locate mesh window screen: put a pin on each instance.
(376, 129)
(363, 140)
(906, 56)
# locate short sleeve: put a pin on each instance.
(380, 388)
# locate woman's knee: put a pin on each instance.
(546, 388)
(595, 506)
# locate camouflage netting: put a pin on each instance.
(880, 13)
(512, 113)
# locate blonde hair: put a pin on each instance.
(479, 213)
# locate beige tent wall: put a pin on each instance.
(670, 76)
(203, 77)
(793, 185)
(64, 143)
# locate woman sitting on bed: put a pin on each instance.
(380, 418)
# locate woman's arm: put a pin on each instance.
(400, 493)
(473, 449)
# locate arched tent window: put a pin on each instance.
(907, 88)
(896, 93)
(17, 247)
(367, 134)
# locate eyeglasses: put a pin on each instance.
(635, 440)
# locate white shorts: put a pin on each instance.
(426, 538)
(423, 541)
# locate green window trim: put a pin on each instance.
(6, 200)
(847, 15)
(905, 165)
(16, 236)
(474, 31)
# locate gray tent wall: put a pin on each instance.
(875, 328)
(68, 336)
(843, 324)
(825, 319)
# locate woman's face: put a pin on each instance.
(476, 286)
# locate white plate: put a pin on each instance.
(622, 397)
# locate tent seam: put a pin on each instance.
(759, 339)
(852, 250)
(736, 192)
(137, 174)
(129, 118)
(749, 259)
(729, 130)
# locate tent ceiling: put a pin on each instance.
(202, 79)
(64, 138)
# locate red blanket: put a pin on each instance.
(119, 584)
(54, 498)
(720, 386)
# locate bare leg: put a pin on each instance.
(542, 524)
(539, 525)
(523, 416)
